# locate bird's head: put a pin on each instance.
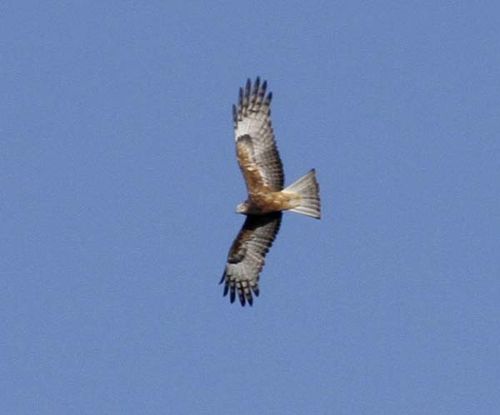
(242, 208)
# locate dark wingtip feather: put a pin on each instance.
(242, 298)
(232, 294)
(255, 91)
(269, 97)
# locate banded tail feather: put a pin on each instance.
(307, 188)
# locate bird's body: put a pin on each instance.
(262, 170)
(267, 202)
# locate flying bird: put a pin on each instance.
(262, 170)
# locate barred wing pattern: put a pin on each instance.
(247, 256)
(256, 149)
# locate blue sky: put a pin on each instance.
(119, 183)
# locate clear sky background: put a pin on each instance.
(118, 184)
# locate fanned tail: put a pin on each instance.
(307, 188)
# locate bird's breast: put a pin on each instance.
(267, 202)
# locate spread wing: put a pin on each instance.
(256, 149)
(246, 256)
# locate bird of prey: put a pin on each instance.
(262, 170)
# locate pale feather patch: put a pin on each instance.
(251, 124)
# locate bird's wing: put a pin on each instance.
(246, 256)
(256, 149)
